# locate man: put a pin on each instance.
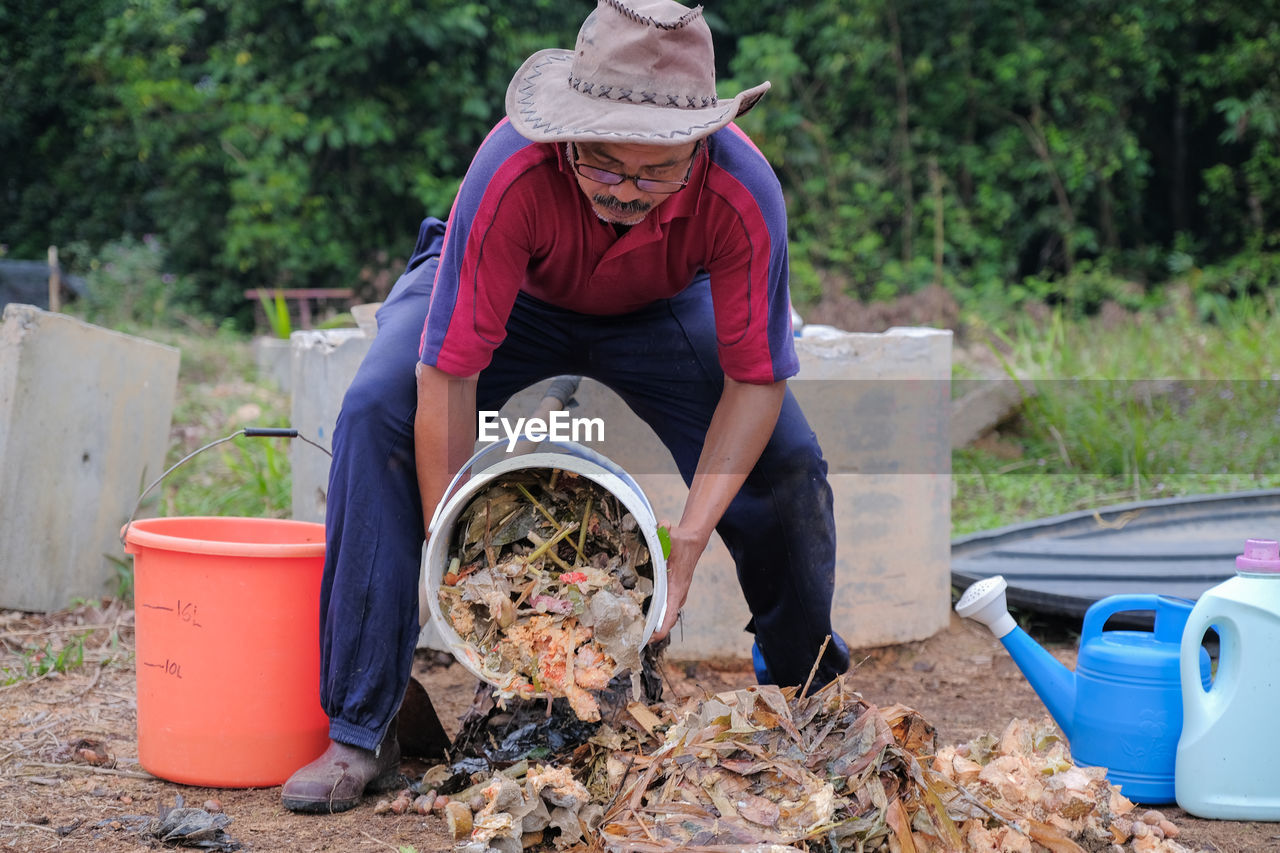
(616, 225)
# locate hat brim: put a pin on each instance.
(543, 108)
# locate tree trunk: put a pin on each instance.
(55, 280)
(903, 135)
(1106, 215)
(1035, 135)
(1178, 187)
(939, 235)
(965, 179)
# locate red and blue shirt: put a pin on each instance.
(521, 223)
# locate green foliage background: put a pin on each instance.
(1073, 153)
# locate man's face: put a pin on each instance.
(626, 203)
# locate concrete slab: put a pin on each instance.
(983, 405)
(274, 360)
(84, 426)
(322, 365)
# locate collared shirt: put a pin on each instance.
(522, 223)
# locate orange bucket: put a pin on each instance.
(228, 648)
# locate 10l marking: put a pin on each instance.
(170, 667)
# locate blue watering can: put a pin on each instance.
(1122, 706)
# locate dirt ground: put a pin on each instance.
(51, 798)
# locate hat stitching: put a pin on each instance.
(680, 22)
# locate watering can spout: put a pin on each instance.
(984, 602)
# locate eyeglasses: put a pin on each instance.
(646, 185)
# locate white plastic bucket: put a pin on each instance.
(568, 456)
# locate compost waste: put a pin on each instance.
(68, 749)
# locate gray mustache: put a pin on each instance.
(610, 203)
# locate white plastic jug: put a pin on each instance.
(1228, 763)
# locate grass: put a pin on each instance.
(277, 313)
(85, 636)
(1163, 407)
(53, 656)
(220, 393)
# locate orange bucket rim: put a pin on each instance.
(139, 535)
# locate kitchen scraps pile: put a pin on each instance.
(1026, 779)
(763, 769)
(547, 584)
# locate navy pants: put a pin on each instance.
(662, 361)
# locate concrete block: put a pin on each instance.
(322, 365)
(274, 360)
(84, 425)
(981, 405)
(879, 404)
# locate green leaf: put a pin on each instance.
(664, 538)
(277, 311)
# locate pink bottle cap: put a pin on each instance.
(1260, 555)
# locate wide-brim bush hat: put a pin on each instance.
(643, 71)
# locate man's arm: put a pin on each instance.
(444, 431)
(740, 428)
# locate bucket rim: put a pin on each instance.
(141, 533)
(435, 550)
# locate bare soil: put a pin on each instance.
(52, 798)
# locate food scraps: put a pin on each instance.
(1043, 800)
(546, 587)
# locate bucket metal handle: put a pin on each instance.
(248, 432)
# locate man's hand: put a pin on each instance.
(687, 546)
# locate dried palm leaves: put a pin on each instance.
(761, 770)
(547, 586)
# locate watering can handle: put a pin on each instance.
(1095, 618)
(248, 432)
